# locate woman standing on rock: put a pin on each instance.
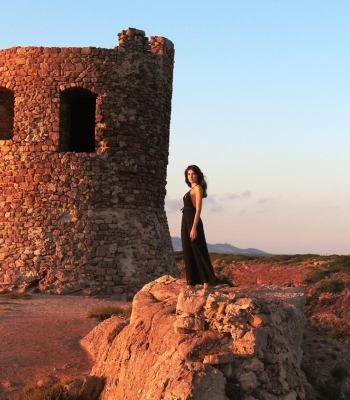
(199, 269)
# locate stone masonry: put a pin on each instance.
(84, 139)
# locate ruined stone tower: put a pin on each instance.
(84, 139)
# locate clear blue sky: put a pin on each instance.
(261, 103)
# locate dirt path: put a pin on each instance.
(39, 339)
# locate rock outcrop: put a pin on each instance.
(180, 344)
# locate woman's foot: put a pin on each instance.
(206, 289)
(191, 287)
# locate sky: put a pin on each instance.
(261, 103)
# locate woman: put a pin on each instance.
(197, 262)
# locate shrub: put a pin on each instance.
(335, 286)
(340, 373)
(7, 294)
(56, 392)
(178, 255)
(309, 373)
(223, 279)
(225, 259)
(104, 312)
(339, 264)
(294, 259)
(317, 274)
(331, 392)
(219, 268)
(334, 334)
(233, 390)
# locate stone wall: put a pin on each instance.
(84, 139)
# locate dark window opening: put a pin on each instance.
(77, 120)
(7, 105)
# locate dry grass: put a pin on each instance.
(104, 312)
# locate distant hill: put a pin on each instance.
(219, 248)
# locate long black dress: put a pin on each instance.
(198, 266)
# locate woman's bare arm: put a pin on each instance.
(196, 197)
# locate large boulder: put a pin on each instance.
(184, 344)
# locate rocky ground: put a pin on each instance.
(326, 282)
(223, 344)
(40, 339)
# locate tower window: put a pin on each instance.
(7, 105)
(77, 120)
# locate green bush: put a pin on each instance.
(8, 295)
(334, 264)
(104, 312)
(331, 392)
(339, 264)
(340, 373)
(335, 334)
(56, 392)
(317, 274)
(334, 286)
(309, 373)
(294, 259)
(225, 259)
(223, 279)
(219, 268)
(178, 255)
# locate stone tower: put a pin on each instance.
(84, 140)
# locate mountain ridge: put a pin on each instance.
(220, 248)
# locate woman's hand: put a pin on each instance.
(193, 234)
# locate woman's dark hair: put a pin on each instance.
(200, 175)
